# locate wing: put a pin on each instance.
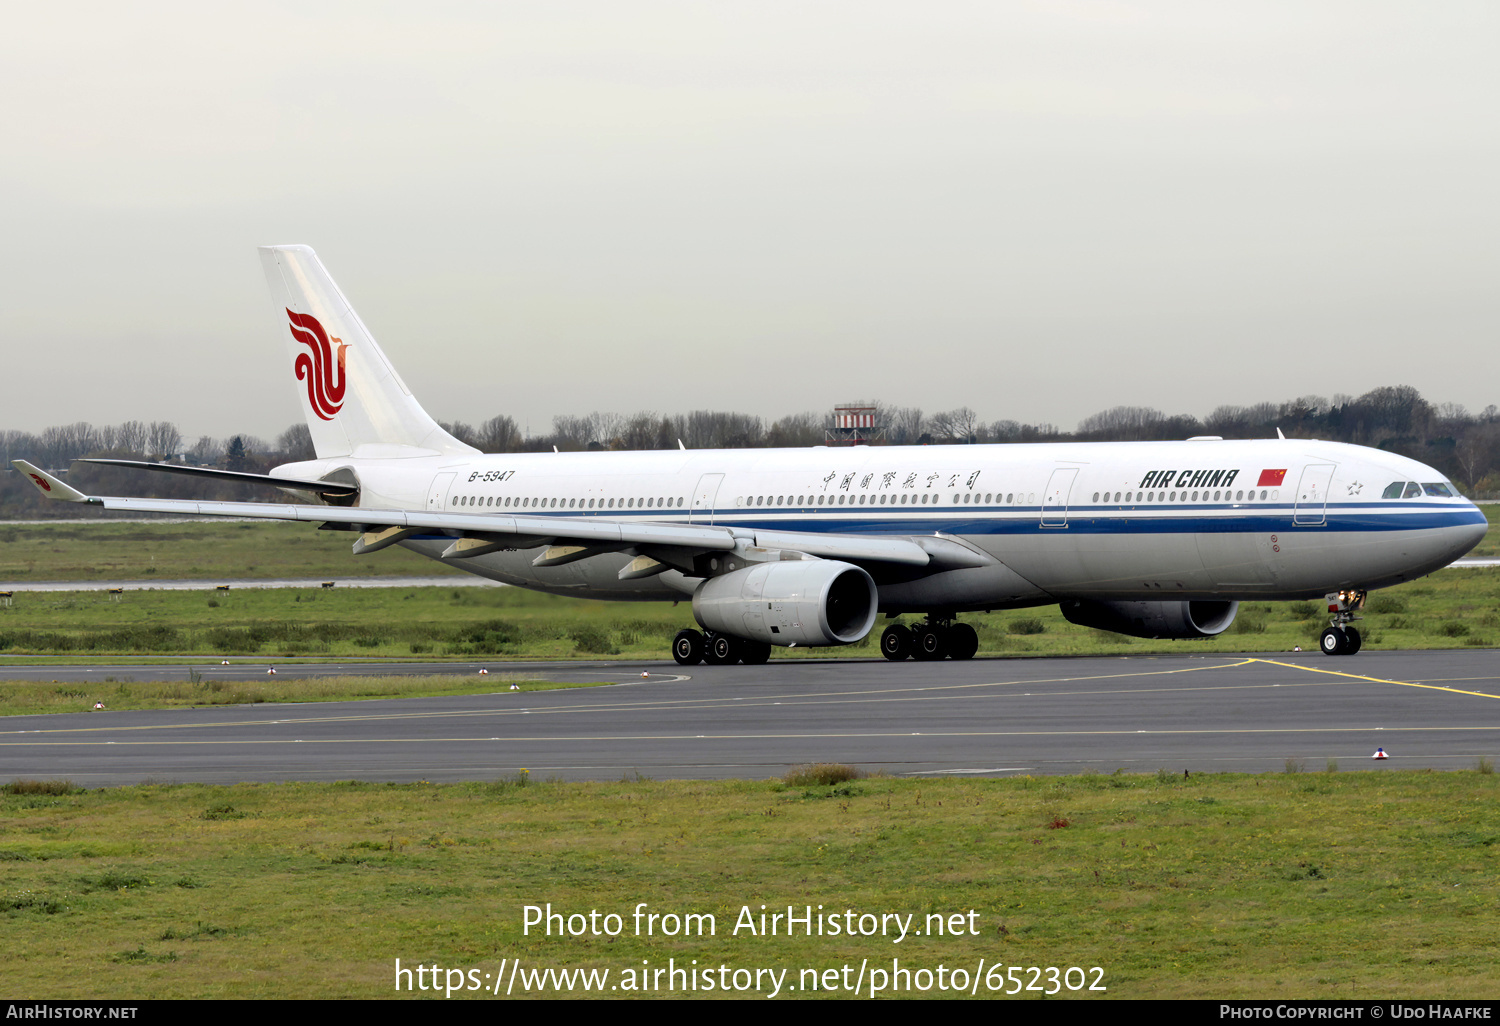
(568, 538)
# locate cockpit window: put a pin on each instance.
(1393, 490)
(1412, 490)
(1438, 488)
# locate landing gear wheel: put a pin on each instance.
(1334, 642)
(1342, 637)
(687, 648)
(963, 642)
(755, 653)
(930, 643)
(896, 643)
(722, 650)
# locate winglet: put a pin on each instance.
(50, 486)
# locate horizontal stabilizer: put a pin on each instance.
(320, 487)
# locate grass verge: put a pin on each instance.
(194, 550)
(117, 693)
(1450, 609)
(1313, 885)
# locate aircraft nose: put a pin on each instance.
(1464, 537)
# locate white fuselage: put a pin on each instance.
(1145, 520)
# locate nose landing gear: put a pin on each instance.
(1341, 637)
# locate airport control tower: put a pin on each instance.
(856, 423)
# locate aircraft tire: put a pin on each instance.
(929, 643)
(1333, 642)
(755, 653)
(722, 650)
(687, 648)
(1355, 641)
(963, 642)
(896, 643)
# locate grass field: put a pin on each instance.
(122, 692)
(1313, 885)
(1450, 609)
(193, 550)
(1490, 546)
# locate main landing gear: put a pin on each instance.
(1342, 637)
(935, 638)
(691, 647)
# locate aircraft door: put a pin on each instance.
(1055, 498)
(1312, 495)
(704, 496)
(437, 495)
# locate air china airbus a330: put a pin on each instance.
(806, 546)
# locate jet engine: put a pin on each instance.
(792, 602)
(1154, 619)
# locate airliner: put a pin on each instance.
(806, 547)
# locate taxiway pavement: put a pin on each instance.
(1196, 713)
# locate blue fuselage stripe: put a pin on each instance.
(1348, 517)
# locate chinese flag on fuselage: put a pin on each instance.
(1270, 478)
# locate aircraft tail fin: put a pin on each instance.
(48, 485)
(354, 401)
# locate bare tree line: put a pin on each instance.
(713, 429)
(1464, 446)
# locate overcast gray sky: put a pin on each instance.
(1039, 210)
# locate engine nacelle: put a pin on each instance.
(796, 602)
(1201, 619)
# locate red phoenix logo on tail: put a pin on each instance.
(317, 368)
